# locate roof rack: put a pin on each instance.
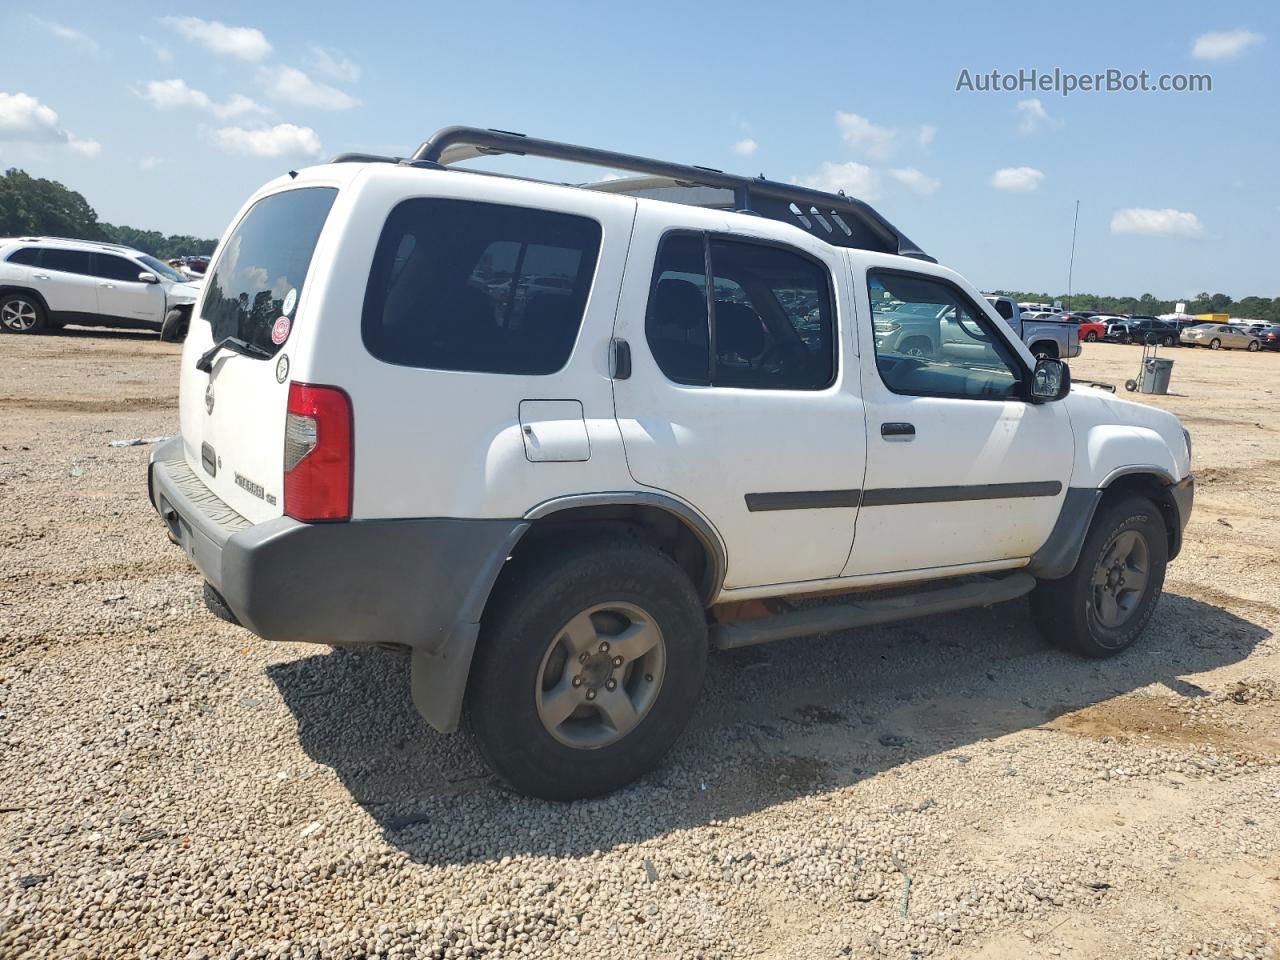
(97, 243)
(838, 219)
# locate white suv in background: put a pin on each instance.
(47, 282)
(555, 442)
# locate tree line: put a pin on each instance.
(31, 206)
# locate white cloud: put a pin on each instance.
(1033, 117)
(745, 148)
(335, 66)
(243, 43)
(1017, 179)
(861, 134)
(86, 148)
(1227, 45)
(149, 163)
(163, 53)
(281, 140)
(1137, 221)
(294, 86)
(24, 118)
(855, 179)
(69, 34)
(175, 94)
(915, 180)
(926, 134)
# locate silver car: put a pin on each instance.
(1216, 336)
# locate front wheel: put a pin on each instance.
(1091, 337)
(174, 327)
(1167, 342)
(587, 669)
(1102, 606)
(1253, 346)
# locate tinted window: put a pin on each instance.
(481, 287)
(115, 268)
(265, 258)
(30, 256)
(1004, 308)
(930, 340)
(771, 311)
(66, 261)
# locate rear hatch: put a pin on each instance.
(233, 415)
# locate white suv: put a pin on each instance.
(47, 282)
(557, 441)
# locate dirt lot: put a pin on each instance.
(172, 787)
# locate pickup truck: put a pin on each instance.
(1045, 338)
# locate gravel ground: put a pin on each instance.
(170, 786)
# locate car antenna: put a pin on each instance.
(293, 174)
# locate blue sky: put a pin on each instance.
(168, 118)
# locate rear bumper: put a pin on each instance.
(415, 583)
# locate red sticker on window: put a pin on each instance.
(280, 331)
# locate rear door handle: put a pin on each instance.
(40, 276)
(109, 286)
(898, 431)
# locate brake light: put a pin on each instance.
(319, 453)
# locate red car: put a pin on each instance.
(1091, 331)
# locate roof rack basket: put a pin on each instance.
(839, 220)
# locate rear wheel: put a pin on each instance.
(587, 669)
(22, 313)
(1215, 344)
(1167, 342)
(1091, 336)
(1253, 346)
(1102, 606)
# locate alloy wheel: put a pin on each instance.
(600, 675)
(1120, 579)
(18, 315)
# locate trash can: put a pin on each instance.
(1155, 375)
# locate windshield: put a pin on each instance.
(258, 277)
(162, 268)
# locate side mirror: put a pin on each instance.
(145, 277)
(1050, 381)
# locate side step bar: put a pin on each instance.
(826, 619)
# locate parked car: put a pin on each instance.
(1269, 338)
(1091, 331)
(46, 282)
(1217, 336)
(1045, 336)
(555, 506)
(1140, 330)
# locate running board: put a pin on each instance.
(843, 616)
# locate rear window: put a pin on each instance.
(479, 287)
(262, 265)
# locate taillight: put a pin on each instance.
(319, 453)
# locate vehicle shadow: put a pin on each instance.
(776, 722)
(100, 333)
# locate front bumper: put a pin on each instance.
(414, 583)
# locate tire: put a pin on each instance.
(1215, 344)
(1167, 342)
(918, 347)
(22, 313)
(1091, 337)
(1131, 385)
(1042, 349)
(174, 327)
(1253, 346)
(528, 656)
(1072, 612)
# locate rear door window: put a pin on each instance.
(263, 264)
(479, 287)
(65, 261)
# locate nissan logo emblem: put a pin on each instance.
(208, 399)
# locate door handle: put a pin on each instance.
(40, 276)
(109, 286)
(898, 431)
(620, 359)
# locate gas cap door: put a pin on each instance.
(554, 431)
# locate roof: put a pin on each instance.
(72, 242)
(837, 219)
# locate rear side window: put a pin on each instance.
(767, 324)
(65, 261)
(263, 264)
(28, 256)
(479, 287)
